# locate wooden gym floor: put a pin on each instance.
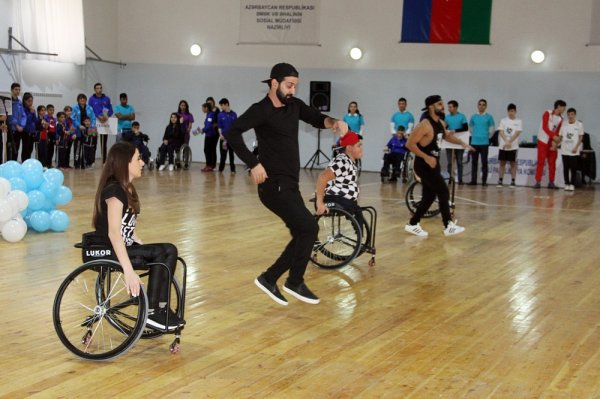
(510, 309)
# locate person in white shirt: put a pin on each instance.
(571, 137)
(509, 130)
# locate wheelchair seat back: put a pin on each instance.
(95, 248)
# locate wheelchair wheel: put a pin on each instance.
(94, 316)
(414, 193)
(339, 240)
(186, 156)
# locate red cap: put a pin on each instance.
(349, 139)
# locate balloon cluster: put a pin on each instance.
(30, 196)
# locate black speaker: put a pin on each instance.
(320, 95)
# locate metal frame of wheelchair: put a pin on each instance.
(94, 316)
(341, 239)
(183, 158)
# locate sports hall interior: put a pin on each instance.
(508, 309)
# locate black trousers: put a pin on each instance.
(282, 197)
(458, 160)
(168, 151)
(394, 160)
(433, 186)
(158, 280)
(354, 209)
(570, 163)
(13, 144)
(480, 151)
(225, 149)
(210, 150)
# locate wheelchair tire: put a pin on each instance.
(339, 240)
(414, 192)
(92, 307)
(186, 156)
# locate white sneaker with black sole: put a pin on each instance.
(453, 229)
(416, 229)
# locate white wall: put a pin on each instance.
(153, 38)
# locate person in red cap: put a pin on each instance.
(423, 143)
(338, 183)
(275, 120)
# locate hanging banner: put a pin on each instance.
(280, 22)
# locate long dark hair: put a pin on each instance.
(116, 169)
(355, 103)
(187, 106)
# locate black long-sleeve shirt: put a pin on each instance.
(277, 135)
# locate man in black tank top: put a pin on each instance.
(423, 142)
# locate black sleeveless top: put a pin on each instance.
(438, 131)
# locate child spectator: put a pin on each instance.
(29, 130)
(225, 118)
(338, 183)
(87, 150)
(508, 132)
(139, 139)
(63, 137)
(212, 137)
(51, 137)
(70, 129)
(81, 110)
(172, 140)
(41, 127)
(571, 136)
(394, 154)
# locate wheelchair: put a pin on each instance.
(341, 239)
(183, 157)
(94, 316)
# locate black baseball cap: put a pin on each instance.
(281, 70)
(431, 100)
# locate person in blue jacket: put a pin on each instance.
(212, 137)
(395, 151)
(16, 123)
(224, 121)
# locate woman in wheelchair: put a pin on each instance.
(338, 182)
(115, 215)
(172, 141)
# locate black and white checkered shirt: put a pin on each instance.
(346, 175)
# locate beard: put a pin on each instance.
(282, 97)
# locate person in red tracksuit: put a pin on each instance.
(547, 143)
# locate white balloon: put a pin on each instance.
(20, 199)
(4, 187)
(6, 210)
(13, 230)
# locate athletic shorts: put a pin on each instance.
(510, 155)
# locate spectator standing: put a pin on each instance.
(546, 142)
(125, 113)
(571, 135)
(402, 118)
(456, 122)
(103, 109)
(225, 119)
(482, 127)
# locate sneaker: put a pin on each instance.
(453, 229)
(472, 183)
(567, 187)
(572, 187)
(537, 185)
(270, 289)
(158, 319)
(512, 185)
(171, 167)
(499, 184)
(484, 184)
(162, 167)
(552, 186)
(301, 292)
(416, 230)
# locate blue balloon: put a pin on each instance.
(40, 221)
(48, 205)
(54, 176)
(63, 195)
(16, 183)
(33, 177)
(11, 169)
(59, 220)
(33, 165)
(48, 188)
(36, 200)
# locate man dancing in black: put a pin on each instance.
(423, 142)
(275, 119)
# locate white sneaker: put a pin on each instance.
(453, 229)
(171, 167)
(572, 187)
(162, 167)
(416, 230)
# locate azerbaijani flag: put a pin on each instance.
(446, 21)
